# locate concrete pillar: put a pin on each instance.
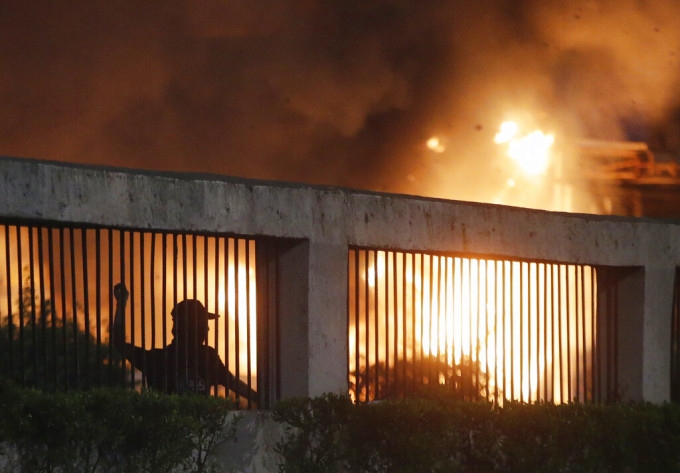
(656, 350)
(626, 302)
(644, 301)
(291, 293)
(305, 311)
(327, 318)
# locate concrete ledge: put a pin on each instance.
(331, 219)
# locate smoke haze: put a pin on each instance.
(340, 92)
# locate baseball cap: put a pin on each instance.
(192, 307)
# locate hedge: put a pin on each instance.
(331, 434)
(110, 430)
(117, 430)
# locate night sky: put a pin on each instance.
(338, 92)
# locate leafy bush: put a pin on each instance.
(332, 434)
(109, 429)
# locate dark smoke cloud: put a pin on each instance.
(342, 92)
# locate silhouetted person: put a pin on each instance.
(188, 363)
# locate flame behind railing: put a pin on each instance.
(491, 328)
(56, 299)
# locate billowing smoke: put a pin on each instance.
(341, 92)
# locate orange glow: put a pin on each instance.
(530, 151)
(158, 269)
(236, 298)
(524, 325)
(436, 144)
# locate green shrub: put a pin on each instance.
(110, 429)
(332, 434)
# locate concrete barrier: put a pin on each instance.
(318, 224)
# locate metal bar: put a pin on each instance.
(86, 306)
(277, 336)
(216, 271)
(10, 318)
(53, 304)
(593, 337)
(615, 329)
(545, 332)
(523, 302)
(558, 315)
(569, 351)
(164, 306)
(367, 376)
(598, 320)
(478, 318)
(387, 325)
(376, 327)
(43, 307)
(514, 320)
(577, 329)
(248, 367)
(583, 334)
(357, 367)
(414, 371)
(194, 294)
(98, 304)
(466, 371)
(553, 331)
(430, 317)
(121, 262)
(486, 328)
(237, 329)
(133, 314)
(152, 293)
(584, 337)
(184, 328)
(504, 317)
(226, 304)
(206, 304)
(142, 302)
(351, 316)
(34, 339)
(62, 264)
(442, 318)
(537, 309)
(422, 316)
(395, 320)
(578, 350)
(111, 309)
(447, 342)
(404, 324)
(74, 308)
(525, 284)
(495, 331)
(175, 328)
(22, 309)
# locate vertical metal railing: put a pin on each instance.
(57, 304)
(479, 328)
(675, 340)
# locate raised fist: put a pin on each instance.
(120, 292)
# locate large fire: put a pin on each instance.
(530, 150)
(526, 329)
(523, 325)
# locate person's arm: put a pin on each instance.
(229, 381)
(240, 388)
(133, 354)
(121, 294)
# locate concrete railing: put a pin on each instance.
(318, 224)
